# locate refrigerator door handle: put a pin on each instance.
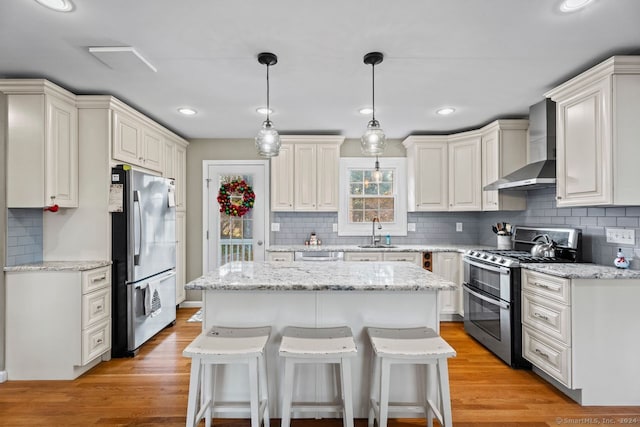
(137, 228)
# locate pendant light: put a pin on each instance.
(268, 139)
(373, 141)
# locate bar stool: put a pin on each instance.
(418, 346)
(224, 346)
(318, 345)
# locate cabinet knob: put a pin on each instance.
(558, 197)
(53, 197)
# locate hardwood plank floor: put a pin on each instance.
(151, 390)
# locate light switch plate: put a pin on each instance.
(411, 226)
(458, 226)
(622, 236)
(335, 228)
(275, 226)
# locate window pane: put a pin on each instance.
(356, 189)
(357, 216)
(247, 232)
(225, 226)
(371, 203)
(386, 215)
(357, 203)
(369, 215)
(387, 175)
(386, 189)
(356, 176)
(371, 189)
(386, 203)
(236, 228)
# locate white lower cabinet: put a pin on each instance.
(447, 265)
(58, 323)
(363, 256)
(181, 257)
(578, 335)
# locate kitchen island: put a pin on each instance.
(320, 294)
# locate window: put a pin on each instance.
(364, 196)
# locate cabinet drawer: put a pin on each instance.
(95, 279)
(363, 256)
(414, 257)
(96, 340)
(555, 288)
(280, 256)
(547, 316)
(547, 354)
(96, 306)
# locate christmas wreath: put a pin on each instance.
(236, 208)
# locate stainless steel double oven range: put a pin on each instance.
(492, 300)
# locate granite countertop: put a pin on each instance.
(320, 276)
(583, 271)
(396, 248)
(58, 266)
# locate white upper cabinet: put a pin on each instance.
(465, 185)
(42, 144)
(304, 176)
(135, 143)
(175, 166)
(428, 173)
(504, 150)
(597, 135)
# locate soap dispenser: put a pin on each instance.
(621, 261)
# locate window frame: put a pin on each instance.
(399, 167)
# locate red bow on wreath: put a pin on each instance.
(236, 187)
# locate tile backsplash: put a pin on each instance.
(24, 236)
(440, 227)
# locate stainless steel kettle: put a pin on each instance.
(543, 249)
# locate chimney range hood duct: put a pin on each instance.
(541, 171)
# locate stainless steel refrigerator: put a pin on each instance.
(144, 258)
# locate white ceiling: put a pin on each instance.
(487, 58)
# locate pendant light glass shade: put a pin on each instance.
(373, 140)
(268, 139)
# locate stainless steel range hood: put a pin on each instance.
(541, 171)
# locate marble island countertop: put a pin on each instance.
(394, 248)
(320, 276)
(583, 271)
(58, 266)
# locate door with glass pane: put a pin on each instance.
(235, 235)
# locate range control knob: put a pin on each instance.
(493, 258)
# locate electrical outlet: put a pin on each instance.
(275, 226)
(335, 228)
(458, 226)
(623, 236)
(411, 226)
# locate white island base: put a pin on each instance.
(356, 309)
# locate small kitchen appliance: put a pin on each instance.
(492, 300)
(144, 258)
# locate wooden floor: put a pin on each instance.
(151, 390)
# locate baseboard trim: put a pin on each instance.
(3, 376)
(191, 304)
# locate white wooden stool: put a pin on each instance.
(223, 346)
(318, 345)
(418, 346)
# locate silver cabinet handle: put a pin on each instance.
(540, 316)
(542, 353)
(97, 279)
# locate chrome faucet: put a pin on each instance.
(375, 240)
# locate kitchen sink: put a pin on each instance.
(377, 246)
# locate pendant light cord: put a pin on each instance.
(373, 92)
(268, 109)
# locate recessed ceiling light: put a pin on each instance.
(366, 110)
(187, 111)
(573, 5)
(445, 111)
(57, 5)
(264, 110)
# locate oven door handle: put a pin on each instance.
(501, 270)
(499, 303)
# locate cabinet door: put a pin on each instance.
(153, 150)
(181, 233)
(280, 256)
(328, 174)
(363, 256)
(282, 179)
(414, 257)
(465, 179)
(169, 169)
(431, 184)
(584, 147)
(127, 139)
(61, 153)
(305, 175)
(490, 168)
(181, 177)
(446, 265)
